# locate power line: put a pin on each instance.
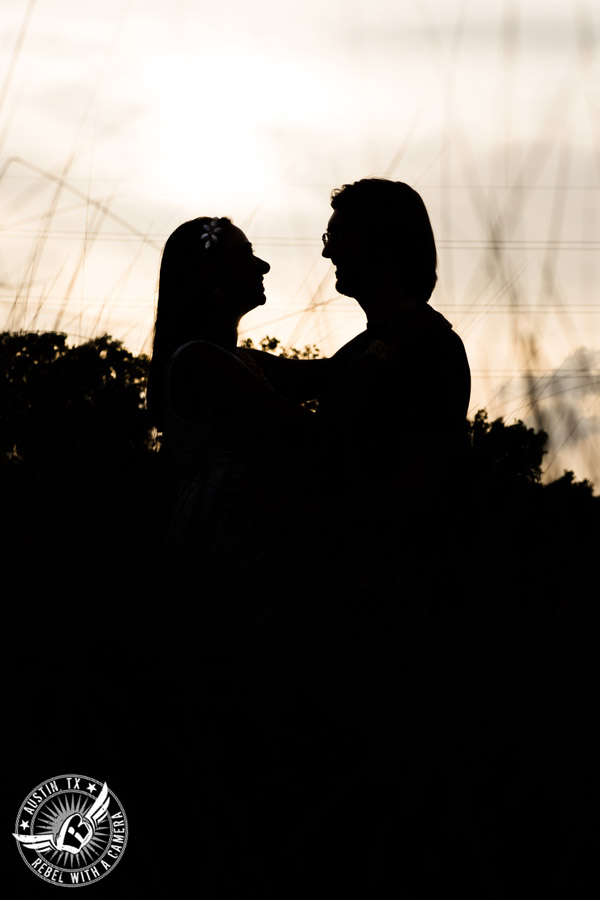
(300, 242)
(504, 309)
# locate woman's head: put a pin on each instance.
(208, 270)
(209, 278)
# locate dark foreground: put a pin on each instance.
(411, 716)
(429, 727)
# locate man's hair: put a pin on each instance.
(397, 225)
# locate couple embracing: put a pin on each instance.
(269, 489)
(290, 622)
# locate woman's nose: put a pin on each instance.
(264, 265)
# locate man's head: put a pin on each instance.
(380, 233)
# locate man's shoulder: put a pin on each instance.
(412, 331)
(420, 333)
(418, 321)
(352, 349)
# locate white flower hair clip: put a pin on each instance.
(210, 233)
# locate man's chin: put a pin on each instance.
(344, 288)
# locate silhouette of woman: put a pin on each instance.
(234, 441)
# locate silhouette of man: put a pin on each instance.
(392, 409)
(393, 401)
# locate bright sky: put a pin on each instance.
(120, 119)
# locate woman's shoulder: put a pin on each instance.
(208, 381)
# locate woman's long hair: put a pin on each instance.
(189, 274)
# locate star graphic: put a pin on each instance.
(91, 787)
(24, 825)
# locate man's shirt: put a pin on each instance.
(397, 395)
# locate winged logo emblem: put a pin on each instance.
(75, 832)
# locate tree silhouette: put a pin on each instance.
(503, 453)
(69, 404)
(77, 462)
(271, 344)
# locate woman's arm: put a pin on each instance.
(297, 379)
(210, 383)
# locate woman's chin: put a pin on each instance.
(254, 304)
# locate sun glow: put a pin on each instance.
(210, 142)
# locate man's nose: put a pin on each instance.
(263, 265)
(326, 252)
